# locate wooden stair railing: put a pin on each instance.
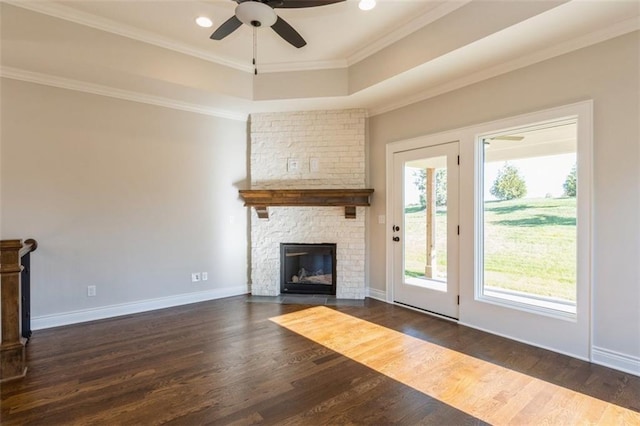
(12, 347)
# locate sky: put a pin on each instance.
(543, 175)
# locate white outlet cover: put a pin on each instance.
(205, 276)
(195, 277)
(293, 165)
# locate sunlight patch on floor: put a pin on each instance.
(484, 390)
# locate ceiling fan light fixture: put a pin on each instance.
(367, 4)
(256, 14)
(204, 22)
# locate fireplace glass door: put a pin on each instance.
(308, 268)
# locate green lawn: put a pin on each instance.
(530, 245)
(415, 242)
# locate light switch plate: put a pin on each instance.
(314, 164)
(293, 165)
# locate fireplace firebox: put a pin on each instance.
(308, 268)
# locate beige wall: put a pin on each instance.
(126, 196)
(608, 74)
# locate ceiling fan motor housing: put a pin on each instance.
(256, 14)
(260, 13)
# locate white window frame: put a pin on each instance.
(568, 333)
(526, 302)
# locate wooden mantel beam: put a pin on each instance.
(262, 199)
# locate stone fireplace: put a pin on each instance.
(308, 150)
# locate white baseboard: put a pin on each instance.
(377, 294)
(74, 317)
(612, 359)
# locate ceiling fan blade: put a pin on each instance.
(287, 32)
(295, 4)
(227, 28)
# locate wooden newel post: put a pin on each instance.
(12, 349)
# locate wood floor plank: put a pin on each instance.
(464, 382)
(233, 362)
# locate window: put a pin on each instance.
(425, 221)
(528, 213)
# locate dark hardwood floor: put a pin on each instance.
(227, 362)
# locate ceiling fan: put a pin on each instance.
(514, 138)
(506, 138)
(261, 13)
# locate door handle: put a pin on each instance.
(396, 238)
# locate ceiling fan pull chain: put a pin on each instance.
(255, 50)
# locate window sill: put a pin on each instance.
(547, 306)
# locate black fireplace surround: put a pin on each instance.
(307, 268)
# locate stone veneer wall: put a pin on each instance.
(337, 140)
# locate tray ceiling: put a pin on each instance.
(400, 52)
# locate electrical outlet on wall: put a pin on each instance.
(195, 277)
(91, 291)
(205, 276)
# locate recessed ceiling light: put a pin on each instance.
(367, 4)
(204, 22)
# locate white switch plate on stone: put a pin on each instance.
(314, 164)
(292, 165)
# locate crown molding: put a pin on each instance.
(404, 30)
(108, 25)
(619, 29)
(377, 45)
(302, 66)
(97, 89)
(616, 30)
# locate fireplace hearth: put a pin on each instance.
(308, 268)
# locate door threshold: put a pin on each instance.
(435, 314)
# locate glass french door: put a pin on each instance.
(425, 228)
